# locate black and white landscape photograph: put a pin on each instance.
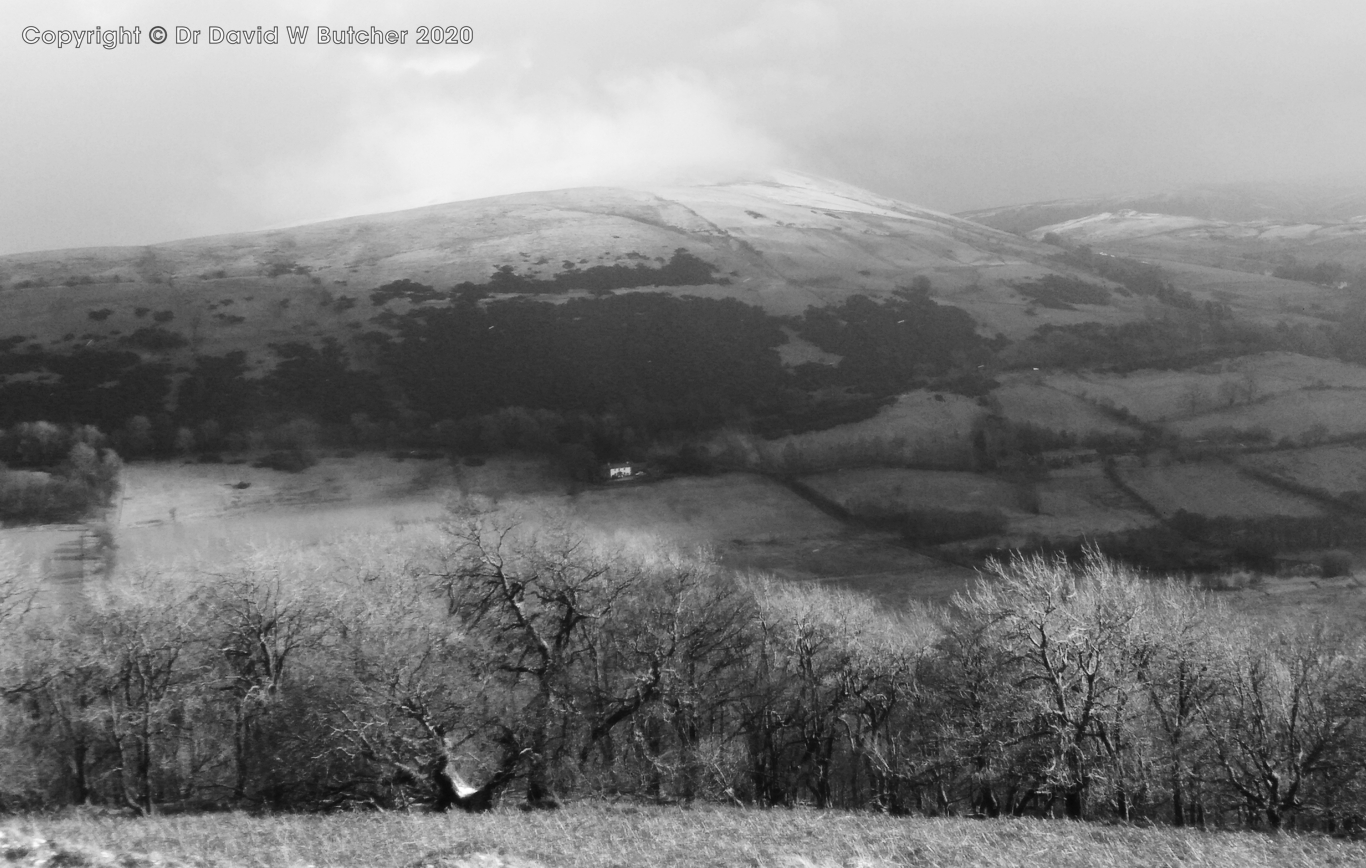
(773, 433)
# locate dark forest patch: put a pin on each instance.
(893, 345)
(682, 362)
(682, 269)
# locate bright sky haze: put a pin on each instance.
(949, 104)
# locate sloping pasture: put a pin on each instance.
(1212, 489)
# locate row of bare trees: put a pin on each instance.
(512, 659)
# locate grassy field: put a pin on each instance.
(1071, 502)
(34, 545)
(1333, 412)
(1212, 489)
(1301, 598)
(916, 423)
(1262, 299)
(689, 510)
(915, 489)
(599, 835)
(1039, 404)
(172, 512)
(1162, 395)
(871, 563)
(199, 492)
(177, 511)
(756, 524)
(1149, 395)
(704, 510)
(1334, 469)
(1079, 501)
(177, 514)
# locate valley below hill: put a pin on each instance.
(887, 395)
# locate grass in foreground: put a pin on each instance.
(600, 835)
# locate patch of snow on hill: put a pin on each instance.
(1123, 225)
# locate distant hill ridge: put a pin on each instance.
(785, 242)
(1233, 203)
(779, 303)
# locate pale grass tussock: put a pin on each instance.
(602, 835)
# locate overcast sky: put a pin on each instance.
(950, 104)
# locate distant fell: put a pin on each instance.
(1283, 203)
(782, 243)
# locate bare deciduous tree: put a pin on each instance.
(1288, 709)
(1069, 630)
(528, 593)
